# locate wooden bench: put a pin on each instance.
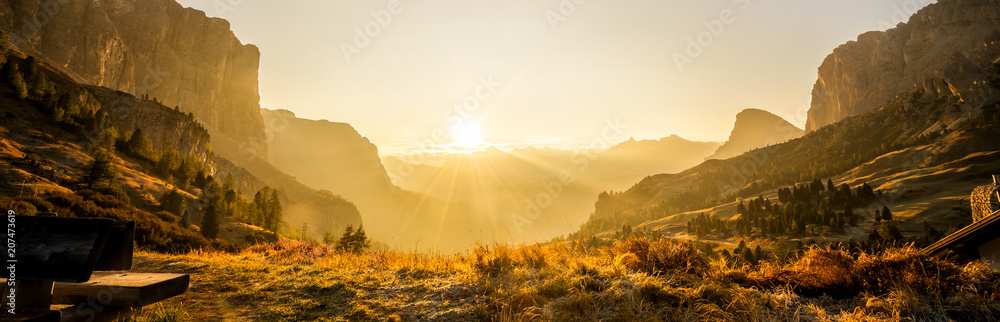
(64, 271)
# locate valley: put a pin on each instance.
(154, 112)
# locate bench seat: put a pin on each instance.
(122, 289)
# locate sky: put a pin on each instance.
(564, 73)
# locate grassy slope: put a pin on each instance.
(633, 280)
(889, 148)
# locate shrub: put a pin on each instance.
(492, 263)
(168, 217)
(906, 268)
(292, 250)
(662, 255)
(823, 271)
(533, 257)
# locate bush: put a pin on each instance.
(168, 217)
(292, 250)
(836, 273)
(492, 263)
(662, 255)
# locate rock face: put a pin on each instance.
(155, 47)
(756, 129)
(326, 155)
(165, 128)
(945, 48)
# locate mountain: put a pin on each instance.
(76, 150)
(645, 157)
(535, 193)
(157, 48)
(921, 148)
(754, 129)
(944, 49)
(176, 59)
(326, 155)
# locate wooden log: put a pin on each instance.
(59, 249)
(111, 289)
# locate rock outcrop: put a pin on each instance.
(165, 127)
(326, 155)
(152, 47)
(945, 48)
(756, 129)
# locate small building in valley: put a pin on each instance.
(981, 239)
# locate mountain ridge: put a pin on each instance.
(756, 128)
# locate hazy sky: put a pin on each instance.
(545, 71)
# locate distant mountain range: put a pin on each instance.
(754, 129)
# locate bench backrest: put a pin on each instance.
(70, 249)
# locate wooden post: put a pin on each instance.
(996, 181)
(34, 294)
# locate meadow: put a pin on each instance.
(636, 279)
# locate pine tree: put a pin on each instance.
(100, 171)
(12, 74)
(210, 224)
(748, 256)
(886, 214)
(139, 145)
(275, 215)
(173, 202)
(345, 240)
(186, 220)
(360, 239)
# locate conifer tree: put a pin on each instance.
(345, 240)
(101, 171)
(140, 146)
(210, 224)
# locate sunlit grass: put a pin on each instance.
(638, 279)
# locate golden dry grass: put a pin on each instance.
(637, 279)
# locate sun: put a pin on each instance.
(466, 134)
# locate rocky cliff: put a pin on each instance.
(326, 155)
(756, 129)
(945, 48)
(165, 127)
(155, 47)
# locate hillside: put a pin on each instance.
(927, 138)
(756, 129)
(88, 151)
(157, 48)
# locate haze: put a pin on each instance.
(605, 60)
